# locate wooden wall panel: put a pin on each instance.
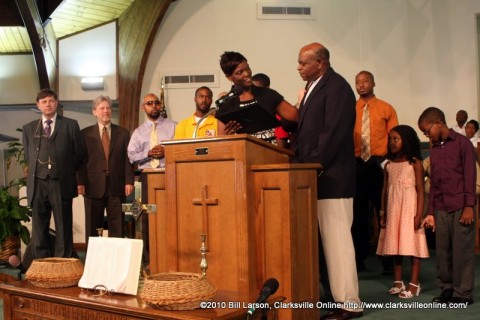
(137, 29)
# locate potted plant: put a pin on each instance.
(16, 152)
(12, 213)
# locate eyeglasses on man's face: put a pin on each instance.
(427, 132)
(152, 102)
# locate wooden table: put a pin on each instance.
(22, 300)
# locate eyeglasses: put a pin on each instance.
(427, 132)
(152, 102)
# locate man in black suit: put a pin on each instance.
(106, 176)
(54, 149)
(325, 136)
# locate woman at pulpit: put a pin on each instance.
(244, 93)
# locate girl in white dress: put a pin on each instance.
(402, 208)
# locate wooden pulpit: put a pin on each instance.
(257, 210)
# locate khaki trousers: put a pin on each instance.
(335, 218)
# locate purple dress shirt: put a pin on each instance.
(453, 174)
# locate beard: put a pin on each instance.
(154, 114)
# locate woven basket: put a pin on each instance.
(177, 291)
(55, 272)
(9, 247)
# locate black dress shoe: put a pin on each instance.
(341, 314)
(461, 300)
(328, 303)
(445, 296)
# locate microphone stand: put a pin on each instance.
(212, 110)
(264, 314)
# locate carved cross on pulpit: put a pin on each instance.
(205, 202)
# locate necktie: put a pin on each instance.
(153, 142)
(48, 128)
(365, 153)
(106, 145)
(307, 88)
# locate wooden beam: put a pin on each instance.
(137, 29)
(47, 7)
(9, 16)
(32, 22)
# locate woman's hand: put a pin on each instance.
(232, 127)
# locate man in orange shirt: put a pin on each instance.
(374, 120)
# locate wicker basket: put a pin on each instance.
(55, 272)
(177, 291)
(9, 247)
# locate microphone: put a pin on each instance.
(234, 92)
(212, 110)
(269, 287)
(15, 262)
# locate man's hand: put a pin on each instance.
(467, 216)
(157, 152)
(128, 189)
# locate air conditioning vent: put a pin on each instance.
(285, 11)
(191, 80)
(177, 79)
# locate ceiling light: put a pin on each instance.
(92, 83)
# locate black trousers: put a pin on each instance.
(368, 194)
(47, 199)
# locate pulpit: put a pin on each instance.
(257, 210)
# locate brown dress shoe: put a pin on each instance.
(341, 314)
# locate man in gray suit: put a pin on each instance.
(54, 149)
(106, 176)
(325, 136)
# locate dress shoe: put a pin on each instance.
(444, 297)
(341, 314)
(328, 302)
(461, 300)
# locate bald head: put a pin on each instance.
(318, 50)
(313, 61)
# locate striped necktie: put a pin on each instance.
(365, 153)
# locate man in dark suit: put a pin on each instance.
(325, 136)
(54, 149)
(106, 176)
